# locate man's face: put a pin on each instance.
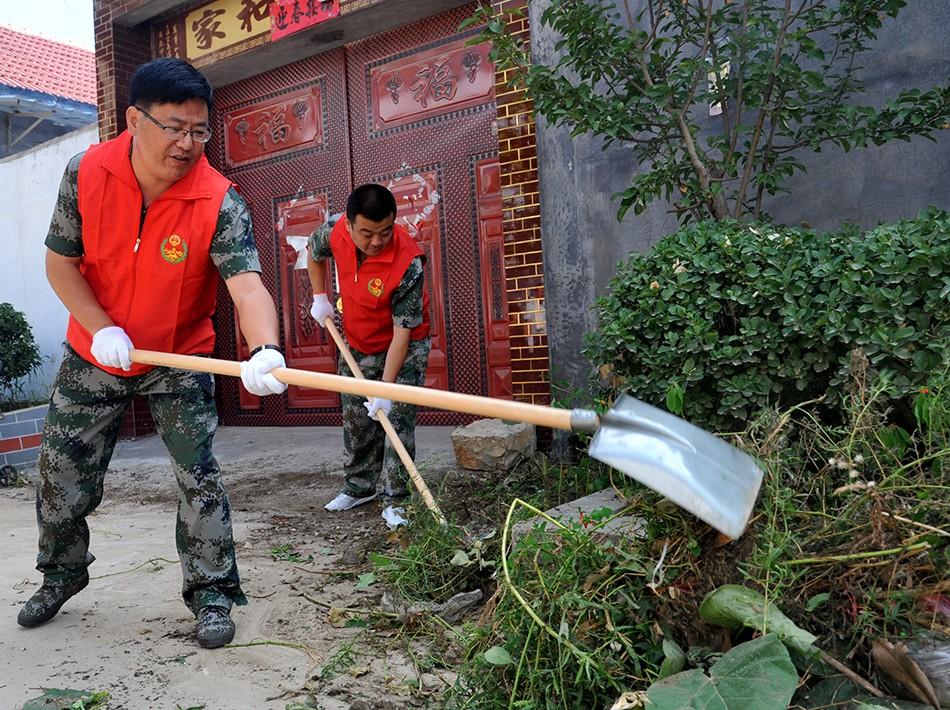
(165, 157)
(370, 237)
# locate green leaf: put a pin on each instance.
(674, 399)
(498, 656)
(734, 606)
(460, 559)
(757, 674)
(381, 561)
(68, 698)
(366, 580)
(817, 601)
(674, 659)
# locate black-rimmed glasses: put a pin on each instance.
(198, 135)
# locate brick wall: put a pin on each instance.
(20, 436)
(518, 159)
(119, 50)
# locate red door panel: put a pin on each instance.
(418, 211)
(306, 345)
(292, 168)
(491, 249)
(421, 102)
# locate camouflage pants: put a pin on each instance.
(85, 414)
(368, 455)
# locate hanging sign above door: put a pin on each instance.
(289, 16)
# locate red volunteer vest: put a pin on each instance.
(367, 290)
(157, 282)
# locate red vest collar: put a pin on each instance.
(119, 163)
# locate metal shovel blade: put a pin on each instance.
(693, 468)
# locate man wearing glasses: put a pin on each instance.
(142, 229)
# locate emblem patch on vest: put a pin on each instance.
(174, 249)
(376, 287)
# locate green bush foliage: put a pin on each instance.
(19, 355)
(723, 319)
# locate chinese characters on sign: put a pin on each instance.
(289, 16)
(214, 31)
(447, 78)
(292, 122)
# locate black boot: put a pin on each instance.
(215, 627)
(48, 599)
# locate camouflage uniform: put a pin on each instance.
(85, 414)
(368, 454)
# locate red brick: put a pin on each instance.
(8, 445)
(31, 441)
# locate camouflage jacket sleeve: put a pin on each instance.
(65, 228)
(407, 298)
(233, 249)
(320, 243)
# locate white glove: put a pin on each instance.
(374, 405)
(255, 373)
(321, 309)
(111, 347)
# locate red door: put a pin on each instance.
(491, 250)
(412, 109)
(422, 108)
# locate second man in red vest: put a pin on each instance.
(386, 324)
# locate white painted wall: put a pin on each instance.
(29, 183)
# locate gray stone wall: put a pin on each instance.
(583, 241)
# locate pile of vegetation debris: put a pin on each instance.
(838, 594)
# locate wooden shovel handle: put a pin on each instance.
(394, 439)
(437, 399)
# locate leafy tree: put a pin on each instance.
(782, 72)
(19, 355)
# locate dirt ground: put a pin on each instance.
(129, 633)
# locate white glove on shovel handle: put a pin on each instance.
(321, 309)
(255, 373)
(111, 347)
(374, 405)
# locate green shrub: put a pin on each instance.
(19, 355)
(737, 317)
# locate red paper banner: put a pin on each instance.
(289, 16)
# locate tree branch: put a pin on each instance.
(760, 119)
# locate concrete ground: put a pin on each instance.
(282, 446)
(129, 633)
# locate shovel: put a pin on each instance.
(693, 468)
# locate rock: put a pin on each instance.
(492, 445)
(452, 610)
(580, 510)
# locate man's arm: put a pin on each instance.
(73, 290)
(396, 354)
(255, 308)
(318, 248)
(407, 314)
(317, 271)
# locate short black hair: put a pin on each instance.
(167, 80)
(373, 201)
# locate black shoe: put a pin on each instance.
(215, 627)
(48, 600)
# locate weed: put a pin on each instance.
(438, 562)
(848, 538)
(344, 658)
(287, 553)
